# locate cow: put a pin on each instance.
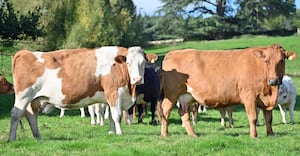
(286, 99)
(147, 92)
(5, 86)
(75, 78)
(221, 78)
(62, 112)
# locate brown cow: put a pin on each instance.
(5, 86)
(219, 78)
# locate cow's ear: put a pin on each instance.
(120, 59)
(151, 58)
(290, 55)
(259, 53)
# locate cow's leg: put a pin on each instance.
(100, 114)
(185, 118)
(153, 108)
(140, 112)
(223, 113)
(164, 112)
(21, 103)
(291, 108)
(16, 115)
(194, 117)
(91, 109)
(195, 113)
(116, 117)
(62, 112)
(130, 113)
(107, 111)
(268, 119)
(187, 124)
(283, 113)
(32, 117)
(252, 117)
(229, 111)
(82, 113)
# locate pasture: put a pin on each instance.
(73, 135)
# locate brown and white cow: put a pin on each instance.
(5, 86)
(73, 79)
(219, 78)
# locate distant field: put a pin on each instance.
(73, 135)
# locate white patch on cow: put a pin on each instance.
(44, 86)
(38, 55)
(105, 59)
(126, 99)
(98, 97)
(21, 101)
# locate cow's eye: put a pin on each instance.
(267, 61)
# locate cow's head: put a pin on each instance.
(274, 59)
(5, 86)
(136, 60)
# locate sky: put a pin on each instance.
(150, 6)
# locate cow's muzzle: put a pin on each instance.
(274, 82)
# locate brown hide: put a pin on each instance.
(5, 86)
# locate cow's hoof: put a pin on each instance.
(140, 121)
(153, 122)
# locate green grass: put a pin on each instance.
(72, 135)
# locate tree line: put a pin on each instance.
(93, 23)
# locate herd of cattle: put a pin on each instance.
(121, 78)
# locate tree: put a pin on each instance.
(266, 14)
(14, 26)
(201, 7)
(9, 26)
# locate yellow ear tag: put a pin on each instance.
(291, 57)
(152, 61)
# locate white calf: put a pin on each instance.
(287, 98)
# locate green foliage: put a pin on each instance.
(14, 27)
(9, 27)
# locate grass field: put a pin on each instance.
(72, 135)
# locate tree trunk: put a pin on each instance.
(221, 7)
